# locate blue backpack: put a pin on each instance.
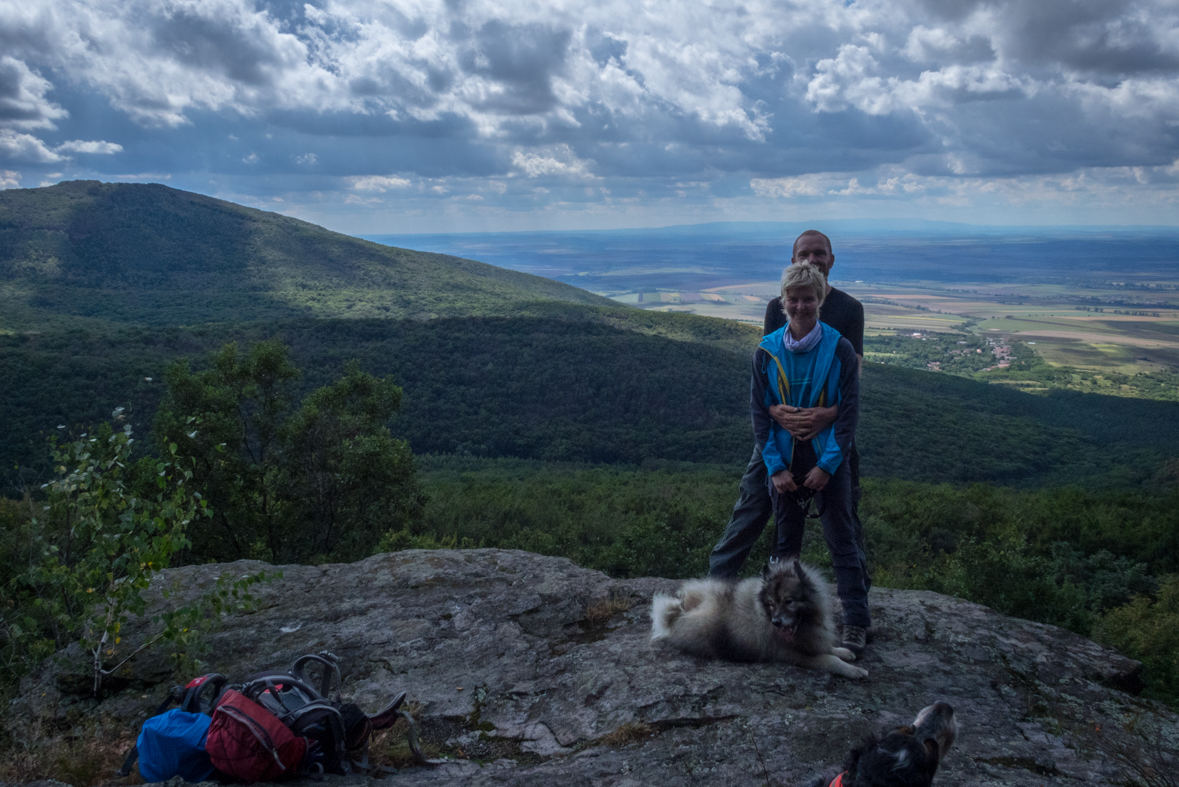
(173, 744)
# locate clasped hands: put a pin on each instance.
(803, 423)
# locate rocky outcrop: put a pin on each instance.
(527, 670)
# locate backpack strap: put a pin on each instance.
(128, 761)
(194, 700)
(331, 667)
(388, 716)
(321, 712)
(270, 683)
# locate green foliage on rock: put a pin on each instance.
(101, 535)
(77, 565)
(1147, 629)
(318, 480)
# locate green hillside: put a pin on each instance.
(88, 254)
(102, 285)
(581, 390)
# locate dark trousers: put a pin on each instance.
(752, 511)
(841, 531)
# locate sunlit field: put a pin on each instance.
(1057, 321)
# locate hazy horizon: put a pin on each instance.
(701, 257)
(902, 224)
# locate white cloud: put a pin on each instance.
(380, 183)
(9, 179)
(23, 103)
(805, 186)
(25, 147)
(97, 147)
(558, 161)
(852, 79)
(870, 100)
(1119, 186)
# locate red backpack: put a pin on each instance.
(250, 743)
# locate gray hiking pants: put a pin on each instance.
(750, 515)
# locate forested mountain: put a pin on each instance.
(104, 284)
(90, 253)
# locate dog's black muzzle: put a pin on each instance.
(788, 622)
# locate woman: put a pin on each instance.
(806, 363)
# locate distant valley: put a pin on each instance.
(1101, 305)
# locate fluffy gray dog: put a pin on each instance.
(783, 615)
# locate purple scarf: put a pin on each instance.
(805, 343)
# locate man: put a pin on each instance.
(753, 507)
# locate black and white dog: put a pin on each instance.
(905, 757)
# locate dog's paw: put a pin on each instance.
(842, 668)
(844, 654)
(855, 673)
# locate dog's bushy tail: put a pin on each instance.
(664, 612)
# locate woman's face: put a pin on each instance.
(802, 306)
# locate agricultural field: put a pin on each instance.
(1102, 330)
(1087, 310)
(1107, 340)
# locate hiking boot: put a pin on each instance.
(854, 639)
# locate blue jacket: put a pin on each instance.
(825, 375)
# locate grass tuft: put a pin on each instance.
(601, 610)
(627, 734)
(81, 757)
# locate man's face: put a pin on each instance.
(813, 249)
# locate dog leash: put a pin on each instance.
(802, 497)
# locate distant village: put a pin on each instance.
(1000, 350)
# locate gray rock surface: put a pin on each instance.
(527, 670)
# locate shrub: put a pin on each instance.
(1147, 629)
(318, 481)
(81, 562)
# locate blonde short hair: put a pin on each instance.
(801, 275)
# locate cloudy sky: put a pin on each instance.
(375, 116)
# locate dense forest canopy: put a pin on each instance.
(584, 391)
